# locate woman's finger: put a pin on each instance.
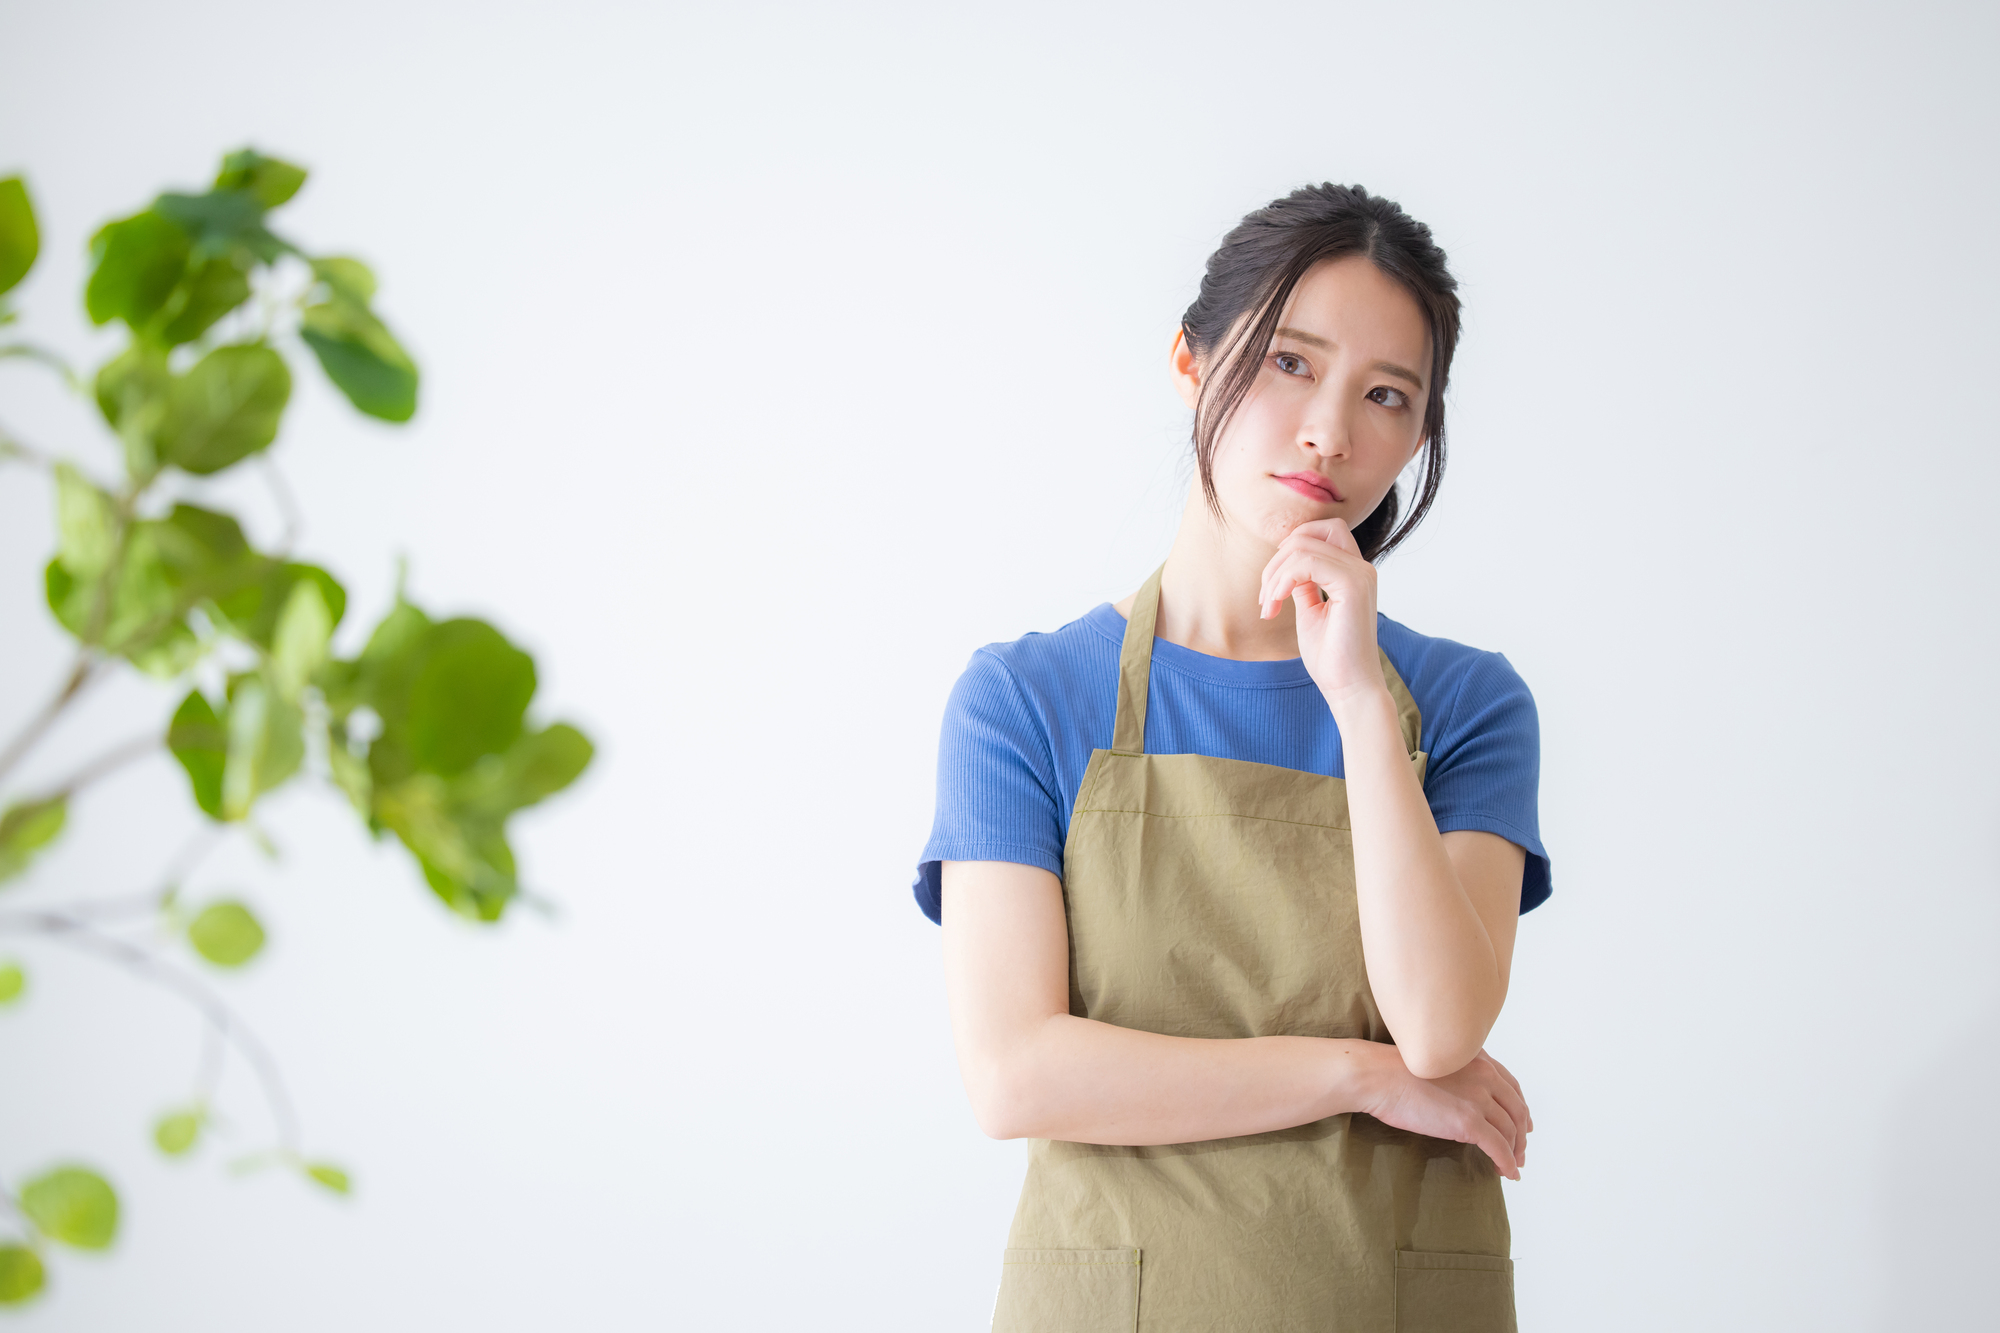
(1517, 1107)
(1482, 1135)
(1328, 531)
(1306, 601)
(1507, 1090)
(1304, 565)
(1501, 1118)
(1511, 1131)
(1517, 1115)
(1339, 535)
(1508, 1074)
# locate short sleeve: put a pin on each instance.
(997, 792)
(1485, 768)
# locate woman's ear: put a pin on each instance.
(1185, 369)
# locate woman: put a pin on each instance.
(1229, 872)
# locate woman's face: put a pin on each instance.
(1337, 409)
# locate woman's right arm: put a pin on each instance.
(1034, 1070)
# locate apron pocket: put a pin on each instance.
(1068, 1291)
(1454, 1293)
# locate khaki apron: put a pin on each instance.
(1215, 898)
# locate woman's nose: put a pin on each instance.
(1325, 433)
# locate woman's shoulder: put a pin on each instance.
(1053, 663)
(1453, 683)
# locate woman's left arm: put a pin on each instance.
(1438, 912)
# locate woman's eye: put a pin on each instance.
(1387, 396)
(1289, 364)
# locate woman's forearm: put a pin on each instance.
(1034, 1070)
(1083, 1081)
(1436, 975)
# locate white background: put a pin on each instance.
(776, 358)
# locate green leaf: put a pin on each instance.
(219, 221)
(178, 1131)
(464, 855)
(253, 609)
(138, 263)
(350, 771)
(211, 291)
(467, 698)
(13, 981)
(392, 655)
(362, 358)
(21, 1274)
(266, 744)
(347, 277)
(380, 680)
(26, 828)
(170, 565)
(331, 1176)
(354, 347)
(86, 524)
(143, 601)
(134, 381)
(20, 241)
(271, 181)
(73, 1205)
(199, 740)
(202, 548)
(131, 391)
(452, 761)
(535, 766)
(299, 644)
(224, 409)
(227, 934)
(466, 861)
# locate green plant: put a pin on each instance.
(425, 731)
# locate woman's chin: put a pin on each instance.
(1282, 522)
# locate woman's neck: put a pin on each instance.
(1208, 593)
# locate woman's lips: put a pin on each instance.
(1311, 485)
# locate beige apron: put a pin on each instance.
(1215, 898)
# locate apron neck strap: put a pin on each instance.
(1135, 674)
(1135, 668)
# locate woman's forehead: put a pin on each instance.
(1340, 300)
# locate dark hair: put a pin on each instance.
(1250, 277)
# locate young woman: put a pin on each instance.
(1229, 872)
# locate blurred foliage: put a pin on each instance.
(426, 732)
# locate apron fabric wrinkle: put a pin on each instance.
(1214, 898)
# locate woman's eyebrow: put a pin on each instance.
(1391, 368)
(1309, 339)
(1386, 367)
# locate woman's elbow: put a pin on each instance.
(1433, 1062)
(1441, 1053)
(1001, 1105)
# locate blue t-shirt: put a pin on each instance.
(1025, 716)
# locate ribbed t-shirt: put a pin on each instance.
(1023, 719)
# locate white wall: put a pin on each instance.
(777, 358)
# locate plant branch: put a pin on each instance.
(13, 448)
(37, 352)
(80, 935)
(157, 900)
(80, 675)
(187, 858)
(105, 765)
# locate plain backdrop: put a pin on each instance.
(777, 357)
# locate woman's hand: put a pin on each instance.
(1481, 1104)
(1336, 632)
